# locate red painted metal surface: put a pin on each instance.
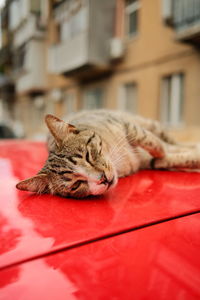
(33, 225)
(156, 262)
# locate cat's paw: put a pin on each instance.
(160, 163)
(158, 152)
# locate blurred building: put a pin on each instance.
(137, 55)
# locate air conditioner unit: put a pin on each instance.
(117, 48)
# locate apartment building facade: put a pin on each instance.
(136, 55)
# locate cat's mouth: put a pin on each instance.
(111, 183)
(98, 183)
(102, 187)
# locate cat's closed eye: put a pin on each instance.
(94, 153)
(77, 184)
(89, 157)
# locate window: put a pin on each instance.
(18, 10)
(131, 17)
(74, 26)
(14, 15)
(172, 99)
(93, 98)
(71, 18)
(127, 100)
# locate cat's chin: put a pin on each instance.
(97, 189)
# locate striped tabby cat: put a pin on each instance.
(89, 152)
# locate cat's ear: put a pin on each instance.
(37, 184)
(58, 128)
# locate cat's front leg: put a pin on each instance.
(181, 161)
(140, 137)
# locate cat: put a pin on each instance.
(89, 152)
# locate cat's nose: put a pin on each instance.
(111, 181)
(103, 178)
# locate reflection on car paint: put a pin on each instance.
(157, 262)
(33, 225)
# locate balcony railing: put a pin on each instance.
(184, 16)
(27, 30)
(31, 83)
(32, 77)
(21, 10)
(68, 56)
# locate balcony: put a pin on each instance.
(27, 30)
(31, 77)
(186, 20)
(184, 16)
(20, 11)
(83, 41)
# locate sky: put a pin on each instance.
(2, 3)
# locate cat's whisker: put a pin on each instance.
(58, 186)
(119, 158)
(117, 148)
(117, 144)
(116, 157)
(118, 151)
(136, 151)
(124, 143)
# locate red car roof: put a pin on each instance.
(156, 262)
(32, 225)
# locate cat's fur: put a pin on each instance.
(93, 149)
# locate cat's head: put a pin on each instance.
(78, 164)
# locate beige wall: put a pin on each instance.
(150, 55)
(154, 40)
(149, 77)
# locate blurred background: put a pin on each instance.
(59, 57)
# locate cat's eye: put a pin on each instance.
(78, 155)
(87, 157)
(77, 184)
(99, 150)
(94, 154)
(91, 156)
